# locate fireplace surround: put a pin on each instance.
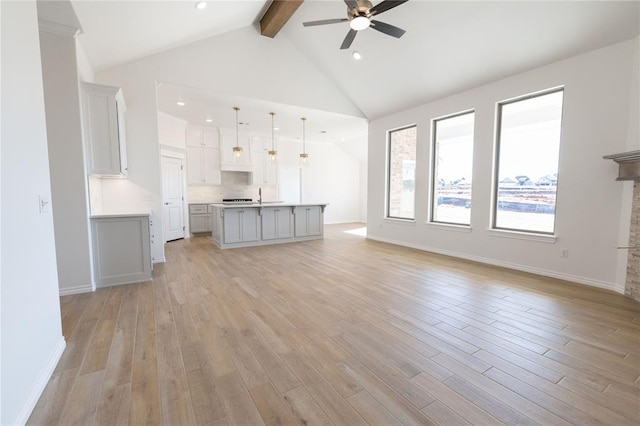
(629, 169)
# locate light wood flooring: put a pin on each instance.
(343, 331)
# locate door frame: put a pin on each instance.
(185, 202)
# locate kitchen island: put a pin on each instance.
(256, 224)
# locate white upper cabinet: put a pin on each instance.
(202, 137)
(243, 163)
(203, 156)
(103, 114)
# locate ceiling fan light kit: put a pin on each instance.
(359, 16)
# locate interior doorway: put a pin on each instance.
(173, 198)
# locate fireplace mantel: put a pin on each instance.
(628, 164)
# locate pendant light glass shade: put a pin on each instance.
(237, 150)
(273, 153)
(304, 157)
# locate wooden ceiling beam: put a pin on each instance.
(277, 16)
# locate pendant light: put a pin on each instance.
(237, 150)
(273, 153)
(304, 156)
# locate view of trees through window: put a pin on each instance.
(527, 175)
(452, 169)
(402, 173)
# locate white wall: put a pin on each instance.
(66, 162)
(595, 123)
(31, 335)
(85, 70)
(267, 69)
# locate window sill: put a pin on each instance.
(503, 233)
(410, 222)
(449, 226)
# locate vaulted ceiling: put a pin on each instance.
(449, 46)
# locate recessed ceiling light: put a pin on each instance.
(201, 5)
(276, 128)
(357, 55)
(208, 120)
(180, 103)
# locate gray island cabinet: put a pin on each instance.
(245, 225)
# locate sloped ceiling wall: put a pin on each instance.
(243, 63)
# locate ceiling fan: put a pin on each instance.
(359, 15)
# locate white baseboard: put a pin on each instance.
(159, 259)
(41, 383)
(515, 266)
(87, 288)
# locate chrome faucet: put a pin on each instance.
(260, 195)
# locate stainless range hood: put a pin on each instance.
(628, 164)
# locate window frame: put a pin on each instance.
(496, 165)
(432, 201)
(388, 175)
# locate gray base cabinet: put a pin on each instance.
(121, 249)
(309, 220)
(199, 218)
(255, 225)
(241, 225)
(277, 223)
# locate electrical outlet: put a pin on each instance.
(564, 253)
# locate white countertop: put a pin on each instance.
(103, 216)
(266, 204)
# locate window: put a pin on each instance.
(452, 169)
(401, 179)
(528, 143)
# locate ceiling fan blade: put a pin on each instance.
(351, 4)
(388, 29)
(386, 5)
(324, 22)
(348, 39)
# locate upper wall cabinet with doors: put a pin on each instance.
(265, 171)
(203, 156)
(103, 116)
(231, 162)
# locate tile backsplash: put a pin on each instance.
(215, 193)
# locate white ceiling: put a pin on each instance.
(449, 46)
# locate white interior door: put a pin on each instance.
(172, 198)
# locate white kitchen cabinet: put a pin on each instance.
(241, 225)
(202, 137)
(277, 223)
(309, 220)
(243, 163)
(203, 156)
(103, 120)
(203, 166)
(121, 249)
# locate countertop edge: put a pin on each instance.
(113, 215)
(245, 206)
